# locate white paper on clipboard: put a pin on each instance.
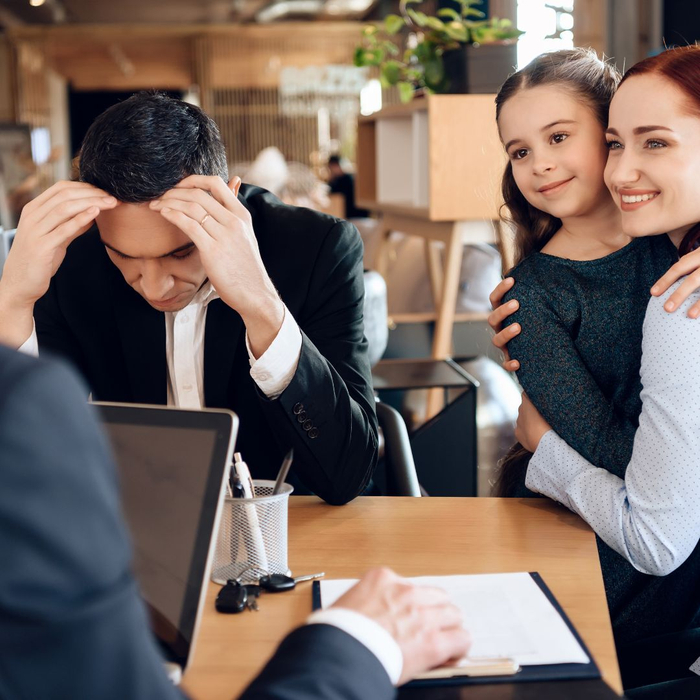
(507, 616)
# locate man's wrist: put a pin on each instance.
(263, 324)
(368, 632)
(16, 319)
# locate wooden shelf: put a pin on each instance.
(439, 156)
(402, 209)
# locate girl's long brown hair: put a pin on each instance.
(682, 67)
(582, 74)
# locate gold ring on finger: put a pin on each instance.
(201, 223)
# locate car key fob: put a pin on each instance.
(232, 598)
(276, 583)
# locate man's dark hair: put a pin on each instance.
(140, 148)
(334, 159)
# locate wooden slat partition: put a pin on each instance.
(235, 67)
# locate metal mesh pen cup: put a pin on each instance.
(252, 539)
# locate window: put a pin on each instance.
(548, 26)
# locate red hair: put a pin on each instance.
(682, 67)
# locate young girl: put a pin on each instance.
(651, 517)
(581, 282)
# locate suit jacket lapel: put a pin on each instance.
(142, 333)
(221, 337)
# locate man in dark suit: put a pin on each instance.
(193, 290)
(72, 625)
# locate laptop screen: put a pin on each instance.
(172, 464)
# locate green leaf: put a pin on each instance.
(358, 56)
(369, 30)
(392, 72)
(420, 18)
(471, 12)
(434, 72)
(390, 47)
(449, 12)
(424, 52)
(435, 23)
(405, 92)
(457, 31)
(368, 57)
(393, 24)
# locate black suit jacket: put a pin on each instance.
(72, 625)
(93, 317)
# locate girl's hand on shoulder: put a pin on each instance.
(689, 267)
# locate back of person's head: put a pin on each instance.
(585, 77)
(334, 160)
(140, 148)
(681, 66)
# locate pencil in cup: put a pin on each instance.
(252, 539)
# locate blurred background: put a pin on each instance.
(301, 118)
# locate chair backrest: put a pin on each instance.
(401, 476)
(375, 314)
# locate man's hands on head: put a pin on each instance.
(209, 213)
(47, 226)
(530, 427)
(425, 625)
(689, 267)
(500, 312)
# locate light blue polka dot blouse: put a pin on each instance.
(652, 517)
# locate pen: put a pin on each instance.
(284, 470)
(252, 532)
(243, 473)
(480, 667)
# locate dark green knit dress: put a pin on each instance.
(580, 353)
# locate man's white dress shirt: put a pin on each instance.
(652, 517)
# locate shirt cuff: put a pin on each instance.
(554, 467)
(31, 345)
(275, 368)
(367, 632)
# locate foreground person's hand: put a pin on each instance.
(425, 625)
(689, 267)
(501, 312)
(208, 211)
(47, 226)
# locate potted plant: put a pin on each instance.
(455, 51)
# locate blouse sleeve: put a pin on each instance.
(651, 517)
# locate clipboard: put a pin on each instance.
(547, 672)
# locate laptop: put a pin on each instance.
(173, 466)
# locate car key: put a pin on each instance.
(253, 589)
(276, 583)
(232, 598)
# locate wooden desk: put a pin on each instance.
(414, 536)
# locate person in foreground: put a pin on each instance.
(72, 624)
(649, 515)
(194, 290)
